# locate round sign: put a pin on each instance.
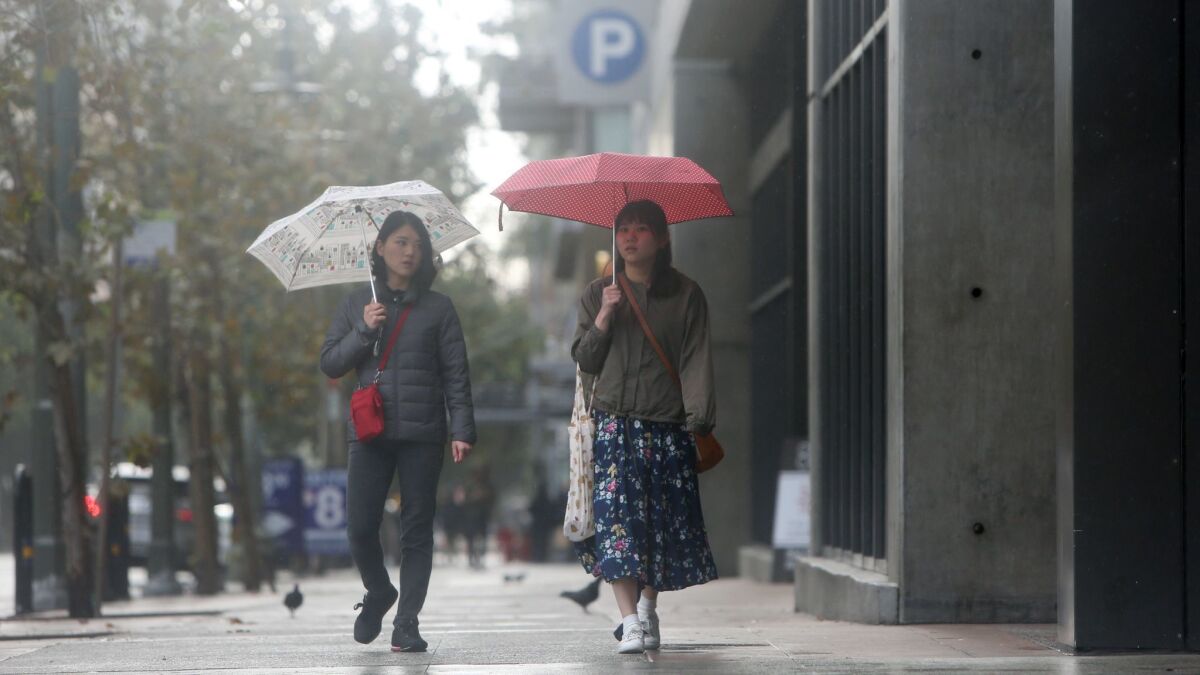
(608, 46)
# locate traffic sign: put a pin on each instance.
(601, 51)
(149, 238)
(608, 46)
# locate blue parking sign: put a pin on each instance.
(325, 512)
(608, 46)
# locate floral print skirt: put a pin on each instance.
(647, 500)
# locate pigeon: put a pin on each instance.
(584, 596)
(293, 600)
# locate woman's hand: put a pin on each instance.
(459, 450)
(374, 314)
(609, 301)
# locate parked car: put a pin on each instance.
(141, 506)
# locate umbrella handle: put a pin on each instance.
(614, 255)
(367, 249)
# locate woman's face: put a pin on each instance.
(401, 251)
(637, 244)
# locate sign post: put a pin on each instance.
(150, 238)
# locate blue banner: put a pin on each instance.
(283, 504)
(325, 512)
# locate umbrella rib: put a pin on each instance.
(555, 215)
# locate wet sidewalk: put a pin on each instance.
(510, 619)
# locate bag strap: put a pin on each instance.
(590, 401)
(392, 340)
(637, 311)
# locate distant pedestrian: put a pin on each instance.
(426, 376)
(452, 513)
(545, 516)
(649, 527)
(480, 497)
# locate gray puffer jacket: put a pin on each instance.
(426, 375)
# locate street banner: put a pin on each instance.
(325, 512)
(283, 504)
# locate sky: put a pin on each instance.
(453, 28)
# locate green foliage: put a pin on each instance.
(500, 337)
(173, 115)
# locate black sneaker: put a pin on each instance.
(406, 637)
(370, 619)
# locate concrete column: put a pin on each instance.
(710, 127)
(1126, 240)
(970, 278)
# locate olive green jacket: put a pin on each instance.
(632, 380)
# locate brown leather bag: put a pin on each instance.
(709, 452)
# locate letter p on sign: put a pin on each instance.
(608, 46)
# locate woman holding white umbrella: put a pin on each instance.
(405, 345)
(408, 339)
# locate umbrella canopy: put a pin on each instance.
(593, 188)
(326, 242)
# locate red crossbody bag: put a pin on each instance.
(709, 452)
(366, 404)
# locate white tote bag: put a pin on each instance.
(579, 522)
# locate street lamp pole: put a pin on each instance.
(162, 556)
(49, 557)
(161, 561)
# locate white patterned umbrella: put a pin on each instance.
(327, 241)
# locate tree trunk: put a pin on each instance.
(111, 392)
(72, 457)
(245, 530)
(200, 463)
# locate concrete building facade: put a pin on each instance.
(942, 207)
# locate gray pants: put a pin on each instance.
(372, 466)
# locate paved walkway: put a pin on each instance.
(476, 621)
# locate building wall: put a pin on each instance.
(972, 409)
(709, 126)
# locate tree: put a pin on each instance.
(171, 119)
(43, 262)
(499, 335)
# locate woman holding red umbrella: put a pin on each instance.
(650, 534)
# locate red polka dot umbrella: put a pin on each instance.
(593, 188)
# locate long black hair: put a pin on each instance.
(428, 269)
(649, 213)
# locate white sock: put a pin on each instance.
(646, 606)
(629, 622)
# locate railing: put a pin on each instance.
(849, 103)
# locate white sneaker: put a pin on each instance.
(633, 641)
(650, 631)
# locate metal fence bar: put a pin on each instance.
(854, 232)
(851, 233)
(867, 274)
(878, 302)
